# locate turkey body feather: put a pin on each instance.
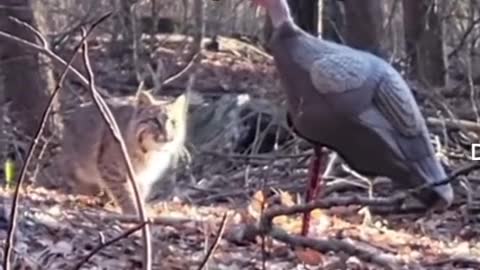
(358, 105)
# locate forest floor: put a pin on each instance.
(57, 230)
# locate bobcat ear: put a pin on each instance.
(178, 108)
(145, 98)
(180, 102)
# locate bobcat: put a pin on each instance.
(154, 133)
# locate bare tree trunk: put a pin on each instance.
(126, 19)
(3, 137)
(424, 40)
(123, 28)
(306, 15)
(333, 21)
(319, 17)
(199, 21)
(267, 30)
(364, 25)
(27, 76)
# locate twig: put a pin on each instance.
(33, 144)
(325, 245)
(266, 157)
(48, 53)
(463, 39)
(215, 243)
(327, 203)
(33, 30)
(467, 169)
(108, 243)
(110, 121)
(464, 261)
(182, 71)
(165, 221)
(452, 123)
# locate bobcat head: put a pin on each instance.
(160, 127)
(159, 133)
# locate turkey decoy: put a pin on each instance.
(356, 104)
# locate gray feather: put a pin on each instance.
(358, 105)
(336, 73)
(395, 101)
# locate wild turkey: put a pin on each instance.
(355, 104)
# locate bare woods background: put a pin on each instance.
(238, 141)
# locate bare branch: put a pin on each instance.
(108, 243)
(51, 55)
(327, 203)
(465, 170)
(109, 119)
(325, 245)
(455, 123)
(464, 37)
(37, 33)
(183, 70)
(33, 144)
(215, 243)
(164, 221)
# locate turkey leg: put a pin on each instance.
(315, 182)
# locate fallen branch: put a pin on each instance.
(266, 157)
(34, 143)
(164, 221)
(365, 253)
(215, 243)
(268, 216)
(108, 243)
(465, 170)
(362, 251)
(371, 254)
(453, 123)
(462, 260)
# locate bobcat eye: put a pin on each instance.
(160, 120)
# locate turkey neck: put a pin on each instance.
(279, 12)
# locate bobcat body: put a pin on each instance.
(154, 134)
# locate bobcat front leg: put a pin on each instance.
(119, 188)
(114, 175)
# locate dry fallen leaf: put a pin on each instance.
(286, 199)
(309, 256)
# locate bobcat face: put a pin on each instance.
(159, 126)
(152, 132)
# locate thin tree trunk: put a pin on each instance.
(319, 17)
(306, 15)
(364, 25)
(199, 21)
(333, 21)
(424, 40)
(27, 76)
(3, 137)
